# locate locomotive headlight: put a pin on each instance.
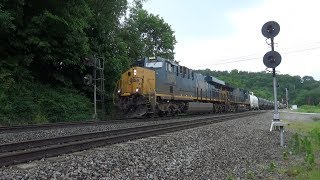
(119, 91)
(137, 89)
(135, 72)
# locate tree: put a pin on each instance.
(148, 35)
(48, 40)
(309, 97)
(104, 33)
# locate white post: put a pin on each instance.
(276, 116)
(95, 101)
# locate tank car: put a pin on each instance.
(156, 86)
(254, 103)
(265, 104)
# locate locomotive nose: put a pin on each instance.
(131, 82)
(137, 80)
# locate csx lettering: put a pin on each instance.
(134, 80)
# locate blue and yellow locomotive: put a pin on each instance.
(156, 86)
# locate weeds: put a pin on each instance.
(272, 167)
(285, 155)
(315, 134)
(305, 145)
(302, 144)
(309, 109)
(250, 175)
(230, 177)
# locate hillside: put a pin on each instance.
(45, 47)
(302, 90)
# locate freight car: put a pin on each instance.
(156, 86)
(265, 104)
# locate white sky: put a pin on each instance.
(211, 33)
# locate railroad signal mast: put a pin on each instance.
(287, 98)
(97, 81)
(272, 59)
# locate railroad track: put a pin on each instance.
(15, 153)
(36, 127)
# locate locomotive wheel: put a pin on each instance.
(172, 111)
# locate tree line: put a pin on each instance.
(301, 90)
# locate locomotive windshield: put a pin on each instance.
(154, 64)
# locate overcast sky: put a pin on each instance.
(226, 34)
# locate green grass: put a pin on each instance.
(309, 109)
(304, 127)
(306, 143)
(303, 173)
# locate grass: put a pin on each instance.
(303, 173)
(305, 144)
(309, 109)
(304, 127)
(272, 167)
(301, 159)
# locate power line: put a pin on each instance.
(254, 58)
(257, 55)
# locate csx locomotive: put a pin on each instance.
(156, 86)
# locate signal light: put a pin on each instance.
(89, 61)
(272, 59)
(270, 29)
(87, 79)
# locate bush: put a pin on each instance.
(309, 109)
(36, 103)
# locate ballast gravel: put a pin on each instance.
(60, 131)
(239, 149)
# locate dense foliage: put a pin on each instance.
(148, 35)
(301, 90)
(43, 44)
(38, 103)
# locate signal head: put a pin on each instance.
(87, 79)
(270, 29)
(89, 60)
(272, 59)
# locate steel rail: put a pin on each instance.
(26, 151)
(46, 126)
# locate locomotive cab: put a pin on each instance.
(137, 80)
(135, 90)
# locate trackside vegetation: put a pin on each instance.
(309, 109)
(305, 144)
(38, 103)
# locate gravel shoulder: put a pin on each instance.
(240, 148)
(293, 116)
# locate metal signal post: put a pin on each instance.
(276, 116)
(272, 59)
(287, 98)
(97, 81)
